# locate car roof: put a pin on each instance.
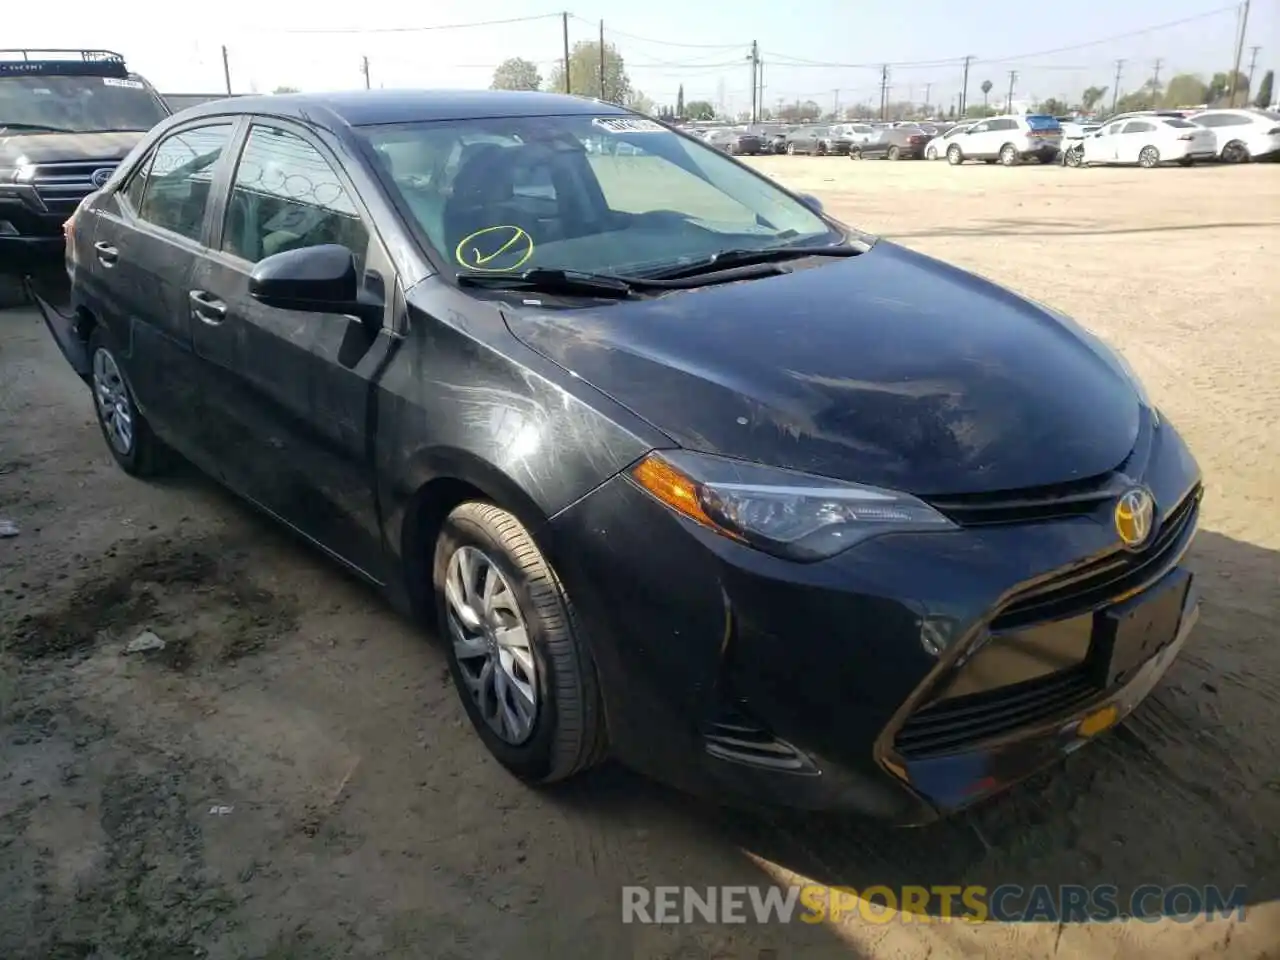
(358, 108)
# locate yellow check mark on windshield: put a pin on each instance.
(519, 244)
(481, 260)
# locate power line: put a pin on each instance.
(437, 26)
(664, 43)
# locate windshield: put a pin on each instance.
(77, 104)
(615, 195)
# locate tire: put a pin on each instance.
(1074, 157)
(128, 435)
(893, 154)
(1148, 158)
(855, 153)
(1009, 155)
(566, 733)
(954, 156)
(1235, 152)
(821, 149)
(791, 149)
(931, 153)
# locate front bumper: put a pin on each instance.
(751, 679)
(30, 233)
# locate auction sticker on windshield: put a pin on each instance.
(629, 125)
(115, 82)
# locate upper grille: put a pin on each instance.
(1096, 582)
(61, 186)
(1071, 499)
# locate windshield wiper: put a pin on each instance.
(549, 280)
(8, 125)
(744, 257)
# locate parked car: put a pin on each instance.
(893, 143)
(1073, 133)
(817, 141)
(1242, 135)
(1008, 139)
(891, 555)
(67, 117)
(855, 133)
(1148, 142)
(936, 148)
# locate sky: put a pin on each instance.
(830, 51)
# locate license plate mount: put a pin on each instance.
(1129, 634)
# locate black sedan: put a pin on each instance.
(845, 528)
(894, 143)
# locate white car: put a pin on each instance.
(1008, 139)
(936, 148)
(1242, 135)
(1149, 142)
(855, 133)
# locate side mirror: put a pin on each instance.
(812, 202)
(320, 279)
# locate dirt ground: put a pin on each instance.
(292, 776)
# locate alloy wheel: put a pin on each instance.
(954, 157)
(111, 397)
(1149, 157)
(491, 644)
(1008, 155)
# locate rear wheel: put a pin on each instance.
(128, 435)
(931, 153)
(894, 153)
(791, 149)
(821, 150)
(954, 156)
(518, 659)
(1148, 157)
(855, 153)
(1009, 155)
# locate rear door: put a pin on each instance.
(146, 241)
(1135, 135)
(290, 392)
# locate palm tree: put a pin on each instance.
(986, 88)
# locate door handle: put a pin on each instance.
(207, 308)
(107, 254)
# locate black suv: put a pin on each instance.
(67, 119)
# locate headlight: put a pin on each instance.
(782, 512)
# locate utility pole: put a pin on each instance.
(927, 88)
(1013, 76)
(884, 91)
(1155, 76)
(964, 90)
(564, 23)
(364, 69)
(835, 105)
(1253, 62)
(602, 60)
(755, 79)
(1115, 90)
(226, 69)
(760, 89)
(1235, 73)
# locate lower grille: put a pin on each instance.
(956, 724)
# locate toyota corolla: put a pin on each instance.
(684, 470)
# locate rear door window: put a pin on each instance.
(176, 192)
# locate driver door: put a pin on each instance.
(1101, 147)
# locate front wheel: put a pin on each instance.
(855, 153)
(1074, 157)
(1148, 157)
(821, 150)
(791, 149)
(1235, 152)
(954, 156)
(129, 438)
(518, 659)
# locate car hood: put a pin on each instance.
(888, 368)
(57, 147)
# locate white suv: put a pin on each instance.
(1242, 135)
(1008, 139)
